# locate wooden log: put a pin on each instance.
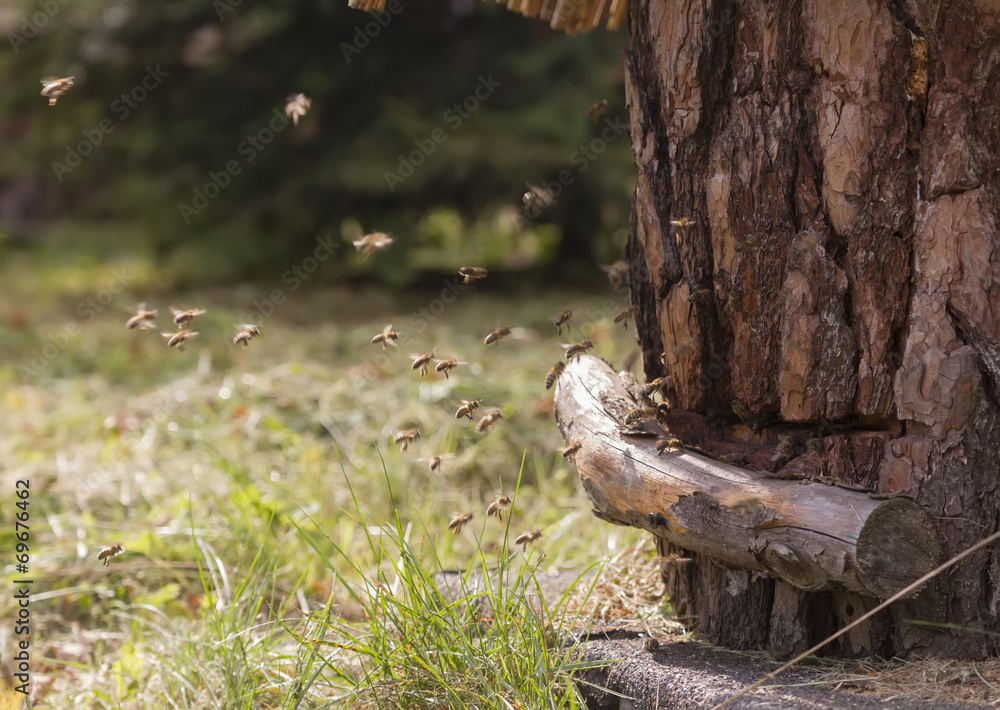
(812, 536)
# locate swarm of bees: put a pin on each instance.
(553, 375)
(403, 438)
(109, 553)
(143, 319)
(297, 106)
(487, 422)
(245, 333)
(496, 336)
(497, 507)
(420, 362)
(472, 273)
(595, 111)
(467, 408)
(54, 87)
(371, 243)
(562, 320)
(387, 337)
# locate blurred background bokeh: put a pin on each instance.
(167, 94)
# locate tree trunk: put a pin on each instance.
(840, 163)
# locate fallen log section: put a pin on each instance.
(812, 536)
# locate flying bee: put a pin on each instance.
(188, 316)
(638, 414)
(143, 319)
(679, 225)
(434, 462)
(371, 243)
(595, 111)
(563, 320)
(570, 451)
(670, 444)
(617, 273)
(54, 87)
(403, 438)
(467, 408)
(110, 552)
(459, 522)
(537, 197)
(748, 245)
(297, 106)
(525, 539)
(578, 348)
(245, 333)
(623, 316)
(701, 295)
(447, 365)
(178, 339)
(388, 336)
(497, 507)
(657, 385)
(553, 375)
(420, 362)
(489, 420)
(496, 336)
(471, 273)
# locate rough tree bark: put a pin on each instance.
(841, 163)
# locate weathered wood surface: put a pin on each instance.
(807, 535)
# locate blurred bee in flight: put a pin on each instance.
(188, 316)
(497, 507)
(679, 225)
(143, 319)
(496, 336)
(420, 362)
(623, 316)
(578, 348)
(434, 462)
(563, 320)
(570, 451)
(403, 438)
(748, 245)
(537, 197)
(471, 273)
(487, 422)
(524, 539)
(553, 375)
(110, 552)
(447, 365)
(595, 111)
(54, 87)
(296, 106)
(467, 408)
(459, 522)
(371, 243)
(178, 339)
(245, 333)
(617, 273)
(388, 336)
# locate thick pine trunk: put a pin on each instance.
(841, 163)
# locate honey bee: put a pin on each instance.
(371, 243)
(245, 333)
(638, 414)
(700, 295)
(525, 539)
(553, 375)
(297, 106)
(670, 444)
(650, 644)
(403, 438)
(459, 522)
(472, 273)
(595, 111)
(746, 416)
(617, 273)
(467, 408)
(789, 446)
(143, 319)
(54, 87)
(447, 365)
(916, 85)
(563, 320)
(489, 420)
(110, 552)
(178, 339)
(735, 298)
(497, 507)
(748, 245)
(420, 362)
(434, 462)
(188, 316)
(816, 444)
(657, 385)
(537, 197)
(623, 316)
(496, 336)
(679, 225)
(578, 348)
(570, 451)
(388, 336)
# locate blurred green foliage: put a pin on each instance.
(179, 95)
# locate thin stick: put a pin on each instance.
(895, 597)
